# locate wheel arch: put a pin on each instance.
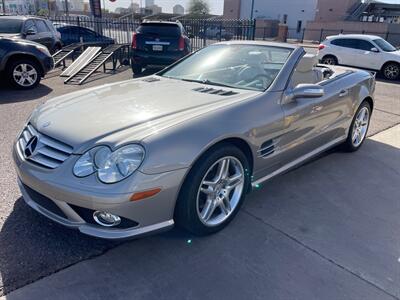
(331, 55)
(389, 62)
(15, 56)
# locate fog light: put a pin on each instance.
(106, 219)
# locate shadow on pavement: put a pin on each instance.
(328, 230)
(10, 95)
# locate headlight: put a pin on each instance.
(110, 166)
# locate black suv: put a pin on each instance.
(24, 62)
(34, 29)
(158, 43)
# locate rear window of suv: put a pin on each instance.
(10, 25)
(161, 29)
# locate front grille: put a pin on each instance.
(44, 151)
(44, 202)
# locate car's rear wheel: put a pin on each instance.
(391, 71)
(24, 74)
(137, 69)
(329, 60)
(359, 128)
(213, 191)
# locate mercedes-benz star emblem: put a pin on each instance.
(31, 146)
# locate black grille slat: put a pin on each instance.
(213, 91)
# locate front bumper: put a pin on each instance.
(71, 201)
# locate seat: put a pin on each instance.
(306, 71)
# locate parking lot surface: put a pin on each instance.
(328, 230)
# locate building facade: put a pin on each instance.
(294, 13)
(178, 9)
(20, 7)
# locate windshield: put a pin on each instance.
(384, 45)
(252, 67)
(10, 25)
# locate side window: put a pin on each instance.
(29, 24)
(347, 43)
(41, 26)
(365, 45)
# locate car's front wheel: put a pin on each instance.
(391, 71)
(24, 74)
(359, 128)
(213, 191)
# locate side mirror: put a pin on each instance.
(30, 31)
(374, 49)
(307, 91)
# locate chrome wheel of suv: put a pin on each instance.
(25, 75)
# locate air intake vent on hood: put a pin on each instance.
(214, 91)
(151, 79)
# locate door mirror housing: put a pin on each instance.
(307, 91)
(30, 32)
(374, 49)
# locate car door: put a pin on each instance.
(312, 123)
(30, 27)
(45, 34)
(342, 49)
(363, 56)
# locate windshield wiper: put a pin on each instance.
(207, 81)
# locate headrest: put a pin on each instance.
(307, 63)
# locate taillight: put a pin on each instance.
(134, 37)
(181, 45)
(320, 47)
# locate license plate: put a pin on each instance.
(157, 48)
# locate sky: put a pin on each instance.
(216, 6)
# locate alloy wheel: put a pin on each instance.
(220, 191)
(392, 71)
(360, 127)
(329, 61)
(25, 75)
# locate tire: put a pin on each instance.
(191, 212)
(137, 69)
(329, 60)
(391, 71)
(352, 145)
(24, 74)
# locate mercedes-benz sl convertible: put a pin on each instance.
(187, 144)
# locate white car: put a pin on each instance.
(363, 51)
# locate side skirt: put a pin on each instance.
(298, 161)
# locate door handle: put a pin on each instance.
(343, 93)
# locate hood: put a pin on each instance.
(129, 110)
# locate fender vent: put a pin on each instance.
(267, 148)
(150, 79)
(214, 91)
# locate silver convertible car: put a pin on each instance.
(187, 144)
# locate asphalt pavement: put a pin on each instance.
(328, 230)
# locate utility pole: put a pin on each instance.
(66, 8)
(252, 10)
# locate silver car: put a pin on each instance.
(186, 145)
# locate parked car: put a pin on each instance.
(362, 51)
(158, 43)
(216, 32)
(187, 144)
(71, 34)
(24, 63)
(33, 29)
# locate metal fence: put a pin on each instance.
(304, 35)
(101, 31)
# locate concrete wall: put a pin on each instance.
(333, 10)
(266, 29)
(296, 10)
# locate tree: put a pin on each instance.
(199, 7)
